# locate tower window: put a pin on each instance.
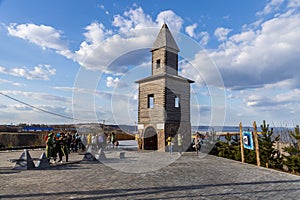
(151, 101)
(177, 102)
(158, 63)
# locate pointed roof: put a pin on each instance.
(165, 39)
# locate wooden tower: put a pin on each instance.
(164, 97)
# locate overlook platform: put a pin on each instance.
(185, 177)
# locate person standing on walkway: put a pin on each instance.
(179, 143)
(94, 141)
(59, 145)
(108, 140)
(50, 149)
(100, 140)
(64, 147)
(170, 143)
(89, 140)
(113, 139)
(197, 143)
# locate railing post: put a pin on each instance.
(241, 142)
(256, 143)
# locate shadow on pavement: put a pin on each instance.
(169, 191)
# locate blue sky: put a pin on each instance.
(80, 59)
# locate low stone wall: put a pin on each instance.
(9, 140)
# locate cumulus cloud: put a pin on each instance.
(258, 55)
(272, 5)
(255, 57)
(174, 21)
(111, 82)
(132, 19)
(204, 38)
(40, 72)
(190, 30)
(95, 32)
(294, 4)
(44, 36)
(283, 99)
(221, 33)
(134, 30)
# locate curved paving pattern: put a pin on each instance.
(189, 177)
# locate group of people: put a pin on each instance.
(58, 144)
(61, 144)
(172, 141)
(101, 140)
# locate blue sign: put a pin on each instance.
(248, 140)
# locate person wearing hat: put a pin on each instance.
(50, 147)
(59, 146)
(64, 147)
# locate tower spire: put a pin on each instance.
(165, 40)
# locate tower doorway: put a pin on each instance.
(150, 139)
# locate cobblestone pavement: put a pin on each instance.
(187, 177)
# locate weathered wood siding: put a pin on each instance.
(156, 114)
(168, 62)
(180, 89)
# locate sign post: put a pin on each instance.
(241, 142)
(256, 144)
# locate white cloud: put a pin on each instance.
(111, 82)
(41, 35)
(280, 100)
(18, 84)
(10, 82)
(190, 30)
(38, 96)
(135, 30)
(4, 81)
(204, 38)
(256, 57)
(101, 46)
(132, 19)
(221, 33)
(28, 115)
(95, 32)
(272, 5)
(294, 3)
(174, 21)
(40, 72)
(101, 6)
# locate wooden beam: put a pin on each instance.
(241, 142)
(256, 143)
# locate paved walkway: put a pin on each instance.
(143, 175)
